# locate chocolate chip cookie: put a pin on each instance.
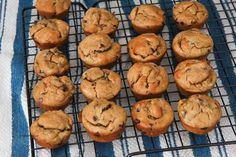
(189, 14)
(199, 114)
(53, 93)
(147, 80)
(52, 129)
(152, 116)
(98, 50)
(103, 120)
(49, 33)
(192, 44)
(98, 20)
(194, 77)
(100, 83)
(147, 47)
(53, 8)
(147, 18)
(50, 62)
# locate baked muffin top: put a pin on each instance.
(98, 20)
(52, 128)
(147, 47)
(98, 50)
(147, 78)
(100, 83)
(52, 8)
(152, 113)
(53, 91)
(189, 14)
(50, 62)
(195, 76)
(192, 44)
(199, 111)
(147, 16)
(103, 117)
(49, 31)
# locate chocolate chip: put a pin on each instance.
(41, 72)
(205, 128)
(95, 118)
(121, 125)
(138, 110)
(97, 134)
(102, 45)
(136, 121)
(64, 88)
(106, 107)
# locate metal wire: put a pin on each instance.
(224, 90)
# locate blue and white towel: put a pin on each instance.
(14, 132)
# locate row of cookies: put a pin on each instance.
(54, 91)
(103, 120)
(194, 76)
(148, 80)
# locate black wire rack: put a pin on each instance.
(221, 26)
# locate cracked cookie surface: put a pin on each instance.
(53, 8)
(189, 14)
(147, 47)
(98, 20)
(192, 44)
(199, 113)
(52, 129)
(147, 80)
(98, 50)
(50, 62)
(100, 83)
(49, 33)
(194, 77)
(147, 18)
(103, 120)
(53, 93)
(152, 116)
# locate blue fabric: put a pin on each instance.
(20, 138)
(2, 19)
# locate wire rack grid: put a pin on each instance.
(221, 26)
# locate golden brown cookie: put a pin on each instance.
(103, 120)
(147, 18)
(147, 80)
(53, 93)
(49, 33)
(199, 114)
(147, 47)
(98, 20)
(98, 50)
(189, 14)
(192, 44)
(50, 62)
(100, 83)
(152, 116)
(194, 77)
(52, 129)
(53, 8)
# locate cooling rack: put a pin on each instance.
(221, 26)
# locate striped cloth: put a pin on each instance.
(14, 132)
